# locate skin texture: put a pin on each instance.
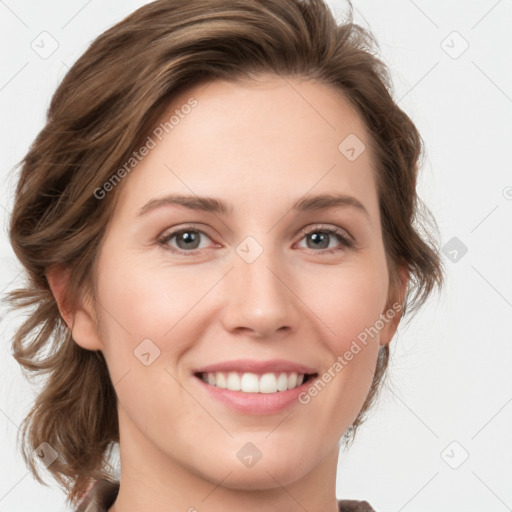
(259, 146)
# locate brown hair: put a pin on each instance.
(103, 110)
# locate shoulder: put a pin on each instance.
(354, 506)
(100, 496)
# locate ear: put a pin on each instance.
(77, 312)
(394, 307)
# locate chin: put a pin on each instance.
(261, 477)
(275, 467)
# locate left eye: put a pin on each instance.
(321, 237)
(188, 240)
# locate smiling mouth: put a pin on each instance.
(249, 382)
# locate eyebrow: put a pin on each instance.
(214, 205)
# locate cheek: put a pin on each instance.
(141, 307)
(347, 300)
(147, 301)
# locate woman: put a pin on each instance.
(263, 136)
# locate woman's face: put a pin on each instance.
(249, 281)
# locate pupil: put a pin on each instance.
(188, 237)
(322, 237)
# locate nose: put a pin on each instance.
(259, 297)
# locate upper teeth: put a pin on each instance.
(254, 383)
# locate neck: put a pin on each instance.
(151, 480)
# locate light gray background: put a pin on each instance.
(449, 395)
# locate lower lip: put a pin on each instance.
(255, 403)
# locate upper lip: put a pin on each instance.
(253, 366)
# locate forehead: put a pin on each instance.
(273, 137)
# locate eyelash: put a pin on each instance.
(346, 242)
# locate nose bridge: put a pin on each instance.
(259, 299)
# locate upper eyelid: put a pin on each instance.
(325, 227)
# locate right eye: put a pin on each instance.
(187, 240)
